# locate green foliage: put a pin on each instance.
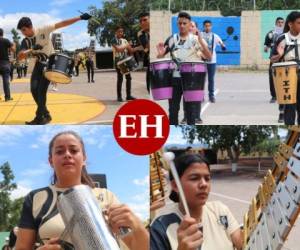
(116, 13)
(16, 38)
(9, 210)
(227, 8)
(233, 139)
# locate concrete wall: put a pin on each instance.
(245, 45)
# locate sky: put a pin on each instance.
(43, 12)
(26, 149)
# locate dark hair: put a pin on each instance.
(118, 27)
(206, 21)
(182, 163)
(292, 17)
(279, 19)
(184, 15)
(85, 178)
(24, 22)
(143, 14)
(1, 32)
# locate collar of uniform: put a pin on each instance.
(294, 37)
(58, 189)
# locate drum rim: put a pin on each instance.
(192, 62)
(60, 54)
(125, 60)
(61, 72)
(162, 60)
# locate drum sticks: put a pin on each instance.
(169, 157)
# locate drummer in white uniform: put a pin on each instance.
(287, 49)
(121, 50)
(183, 46)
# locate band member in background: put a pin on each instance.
(37, 43)
(19, 68)
(25, 67)
(89, 63)
(12, 66)
(78, 61)
(47, 225)
(287, 48)
(269, 44)
(144, 40)
(172, 229)
(270, 40)
(5, 48)
(212, 40)
(198, 120)
(121, 50)
(183, 43)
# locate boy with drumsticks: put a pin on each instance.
(179, 46)
(37, 43)
(287, 48)
(121, 50)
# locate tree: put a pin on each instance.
(6, 186)
(16, 38)
(268, 146)
(232, 139)
(116, 13)
(227, 8)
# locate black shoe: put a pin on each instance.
(35, 121)
(93, 81)
(8, 99)
(120, 99)
(130, 98)
(88, 81)
(281, 118)
(47, 118)
(273, 99)
(198, 121)
(212, 99)
(183, 121)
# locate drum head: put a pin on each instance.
(57, 77)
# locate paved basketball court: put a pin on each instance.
(242, 97)
(237, 190)
(78, 102)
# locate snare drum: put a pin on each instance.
(193, 80)
(59, 68)
(127, 65)
(285, 82)
(161, 78)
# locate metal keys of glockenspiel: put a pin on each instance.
(294, 165)
(252, 241)
(297, 150)
(275, 240)
(293, 185)
(288, 205)
(258, 238)
(281, 221)
(265, 236)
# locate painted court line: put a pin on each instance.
(208, 103)
(230, 198)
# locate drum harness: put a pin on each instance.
(291, 44)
